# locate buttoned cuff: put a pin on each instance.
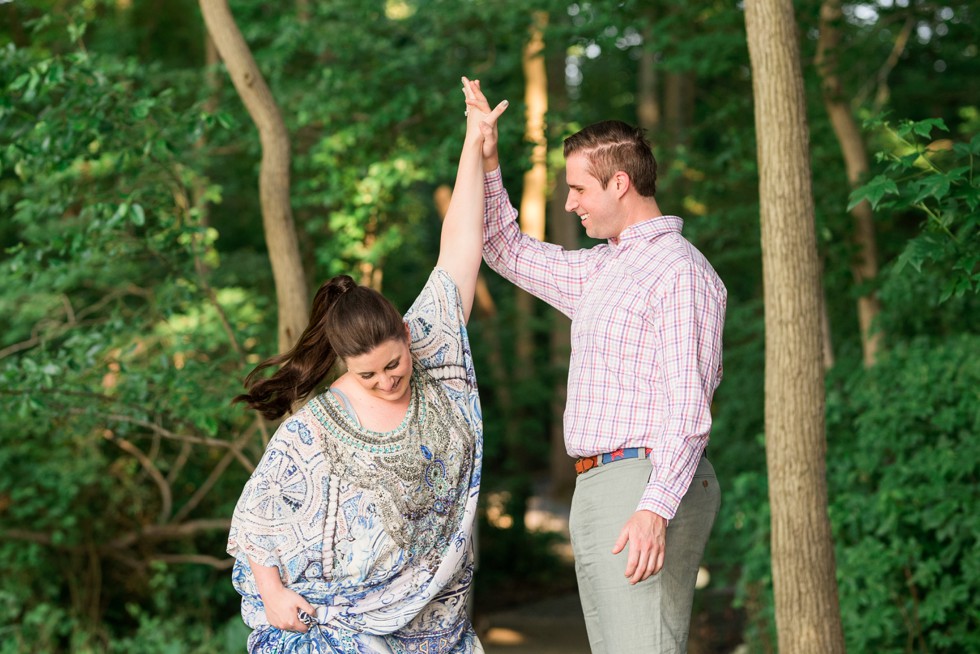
(493, 182)
(659, 499)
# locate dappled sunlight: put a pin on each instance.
(503, 636)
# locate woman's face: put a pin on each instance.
(385, 371)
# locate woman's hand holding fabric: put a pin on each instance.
(282, 607)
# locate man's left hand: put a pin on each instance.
(646, 533)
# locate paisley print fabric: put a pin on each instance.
(373, 529)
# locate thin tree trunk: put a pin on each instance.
(211, 78)
(532, 222)
(674, 113)
(371, 274)
(563, 231)
(826, 339)
(803, 570)
(534, 197)
(864, 267)
(647, 102)
(277, 215)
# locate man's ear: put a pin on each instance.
(622, 182)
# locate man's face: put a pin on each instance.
(598, 208)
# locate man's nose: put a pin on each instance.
(570, 204)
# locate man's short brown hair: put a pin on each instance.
(611, 146)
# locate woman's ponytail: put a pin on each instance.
(303, 367)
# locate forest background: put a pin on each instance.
(136, 289)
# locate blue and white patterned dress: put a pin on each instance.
(374, 529)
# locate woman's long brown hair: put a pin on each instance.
(346, 320)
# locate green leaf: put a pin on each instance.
(141, 109)
(121, 212)
(225, 119)
(137, 216)
(20, 82)
(936, 186)
(873, 192)
(918, 251)
(924, 127)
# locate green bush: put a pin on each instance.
(902, 466)
(903, 469)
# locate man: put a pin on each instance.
(647, 314)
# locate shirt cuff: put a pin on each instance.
(493, 182)
(659, 499)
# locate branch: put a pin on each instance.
(166, 433)
(166, 496)
(26, 536)
(881, 79)
(148, 533)
(212, 479)
(178, 464)
(169, 532)
(72, 319)
(202, 559)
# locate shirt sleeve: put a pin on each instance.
(688, 330)
(440, 343)
(545, 270)
(280, 499)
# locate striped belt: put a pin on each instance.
(586, 463)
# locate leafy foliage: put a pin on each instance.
(135, 291)
(903, 473)
(119, 353)
(935, 178)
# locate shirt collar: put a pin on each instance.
(648, 230)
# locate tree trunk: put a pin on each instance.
(865, 265)
(563, 231)
(371, 274)
(534, 197)
(277, 215)
(804, 581)
(532, 217)
(647, 102)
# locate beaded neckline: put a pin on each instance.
(336, 419)
(416, 404)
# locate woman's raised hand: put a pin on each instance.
(481, 117)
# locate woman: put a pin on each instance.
(354, 532)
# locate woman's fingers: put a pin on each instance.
(473, 92)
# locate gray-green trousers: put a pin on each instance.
(653, 616)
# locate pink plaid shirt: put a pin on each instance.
(647, 314)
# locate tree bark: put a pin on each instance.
(277, 215)
(864, 267)
(534, 199)
(563, 231)
(535, 193)
(804, 581)
(647, 102)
